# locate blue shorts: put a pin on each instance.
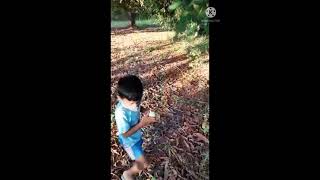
(135, 151)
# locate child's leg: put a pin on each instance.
(137, 167)
(140, 163)
(135, 153)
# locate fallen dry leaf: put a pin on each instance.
(186, 145)
(201, 137)
(166, 171)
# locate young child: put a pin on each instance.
(127, 115)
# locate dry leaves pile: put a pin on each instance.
(177, 146)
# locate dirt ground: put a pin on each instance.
(177, 88)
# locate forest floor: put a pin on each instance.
(177, 88)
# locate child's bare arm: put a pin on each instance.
(132, 130)
(145, 121)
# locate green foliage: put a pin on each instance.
(191, 29)
(189, 18)
(153, 7)
(166, 23)
(132, 9)
(174, 5)
(118, 13)
(199, 46)
(128, 5)
(159, 9)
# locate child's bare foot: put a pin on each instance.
(127, 175)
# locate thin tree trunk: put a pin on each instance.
(132, 19)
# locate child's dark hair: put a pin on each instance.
(130, 87)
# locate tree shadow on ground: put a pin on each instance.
(169, 75)
(145, 68)
(129, 30)
(159, 47)
(140, 53)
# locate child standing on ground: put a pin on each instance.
(127, 115)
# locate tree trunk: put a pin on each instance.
(132, 19)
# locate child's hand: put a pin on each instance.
(147, 120)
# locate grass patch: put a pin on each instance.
(119, 24)
(150, 49)
(145, 23)
(140, 23)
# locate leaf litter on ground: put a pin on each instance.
(177, 90)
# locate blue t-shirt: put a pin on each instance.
(126, 118)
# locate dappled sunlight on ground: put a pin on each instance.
(175, 87)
